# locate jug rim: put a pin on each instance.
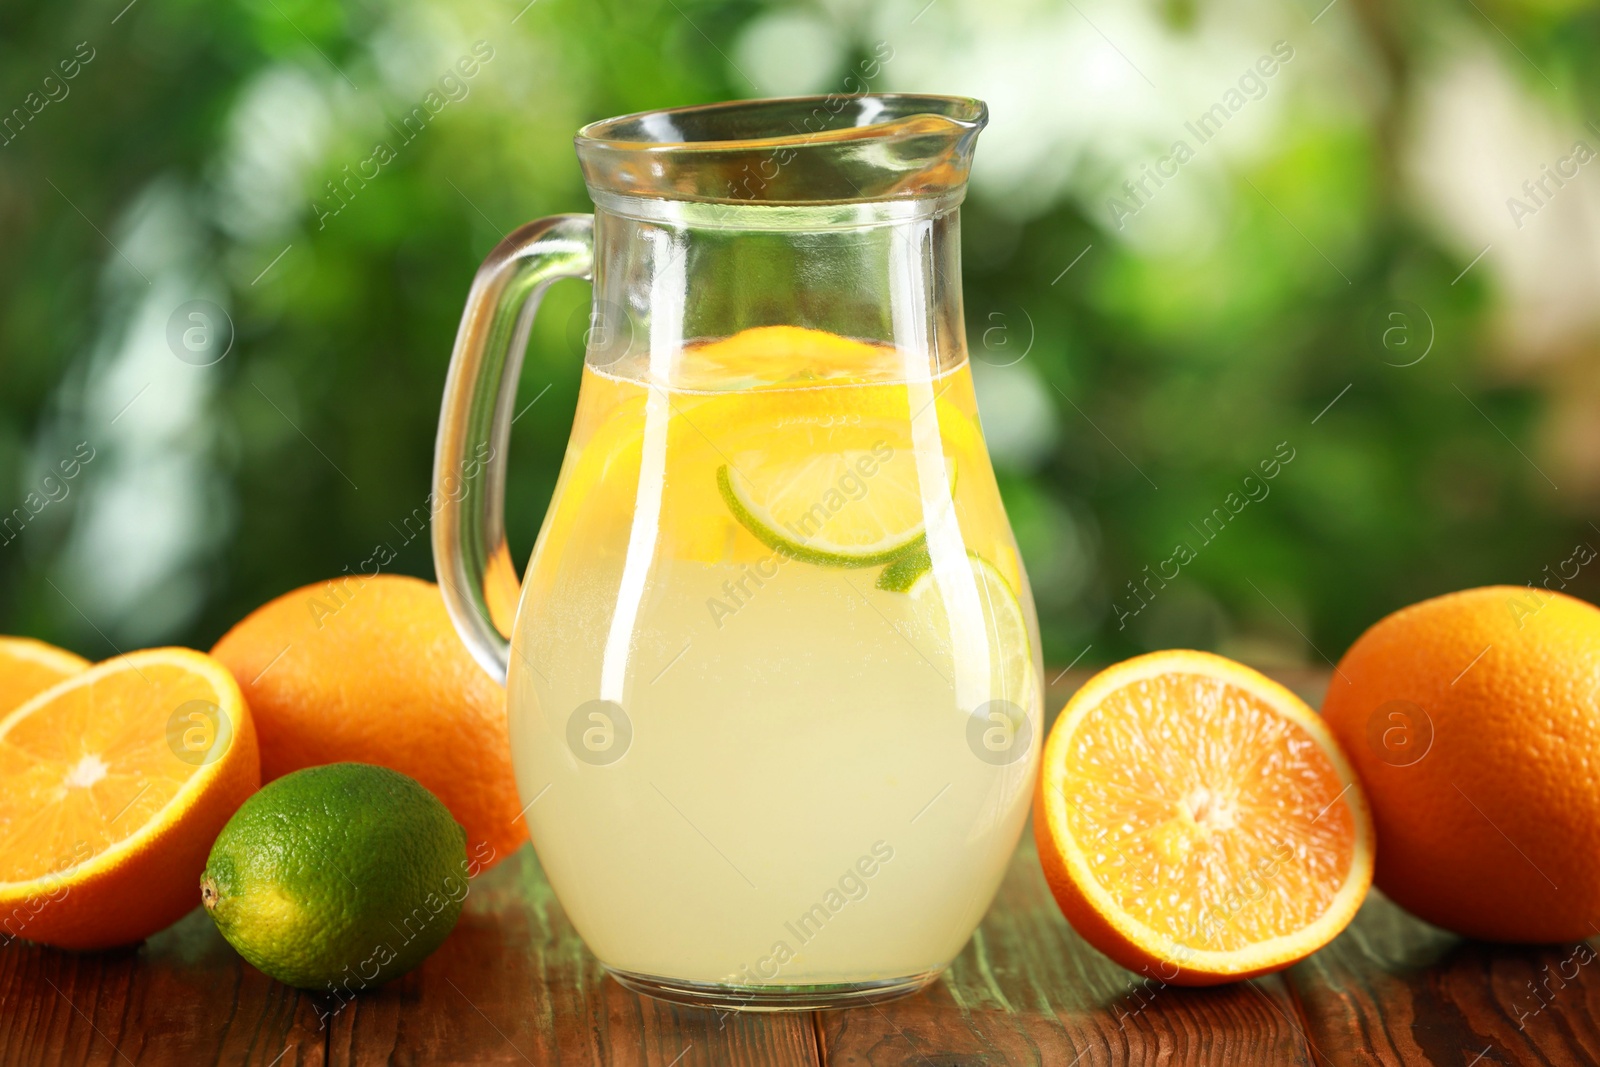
(837, 148)
(966, 112)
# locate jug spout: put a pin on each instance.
(792, 151)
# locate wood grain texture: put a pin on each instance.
(514, 985)
(183, 997)
(1027, 990)
(1394, 990)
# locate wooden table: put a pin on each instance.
(513, 984)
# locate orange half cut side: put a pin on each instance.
(1198, 823)
(113, 785)
(29, 667)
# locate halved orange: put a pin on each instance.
(1197, 822)
(29, 667)
(113, 785)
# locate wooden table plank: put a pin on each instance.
(1394, 990)
(514, 985)
(1028, 990)
(183, 997)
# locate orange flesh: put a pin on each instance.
(1217, 828)
(92, 767)
(24, 680)
(26, 671)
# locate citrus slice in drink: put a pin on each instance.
(113, 785)
(854, 507)
(1197, 822)
(1004, 627)
(29, 667)
(784, 355)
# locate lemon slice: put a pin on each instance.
(855, 507)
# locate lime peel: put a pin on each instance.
(337, 878)
(765, 529)
(1004, 621)
(903, 571)
(875, 527)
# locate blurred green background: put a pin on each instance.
(244, 383)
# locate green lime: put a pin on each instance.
(338, 877)
(851, 508)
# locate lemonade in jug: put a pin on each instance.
(773, 670)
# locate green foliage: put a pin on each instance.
(1170, 375)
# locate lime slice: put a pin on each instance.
(1004, 624)
(902, 573)
(851, 508)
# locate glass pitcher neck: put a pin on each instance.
(668, 274)
(834, 213)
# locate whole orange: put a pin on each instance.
(369, 670)
(1473, 722)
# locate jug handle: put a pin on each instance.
(476, 576)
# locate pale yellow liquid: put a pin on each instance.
(800, 801)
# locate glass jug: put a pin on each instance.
(773, 671)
